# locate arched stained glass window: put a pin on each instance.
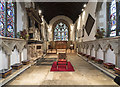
(2, 18)
(7, 21)
(113, 18)
(61, 32)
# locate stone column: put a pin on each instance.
(96, 53)
(20, 57)
(91, 52)
(118, 54)
(86, 50)
(9, 61)
(117, 59)
(104, 56)
(79, 49)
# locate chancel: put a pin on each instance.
(67, 43)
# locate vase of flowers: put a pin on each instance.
(23, 34)
(100, 33)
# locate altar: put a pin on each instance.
(60, 47)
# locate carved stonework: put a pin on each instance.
(28, 4)
(104, 44)
(35, 32)
(20, 45)
(8, 45)
(35, 51)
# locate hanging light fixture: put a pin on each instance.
(82, 9)
(40, 12)
(84, 5)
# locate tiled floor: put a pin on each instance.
(85, 74)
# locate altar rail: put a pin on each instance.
(107, 49)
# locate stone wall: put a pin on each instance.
(90, 9)
(22, 21)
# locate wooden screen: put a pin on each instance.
(61, 44)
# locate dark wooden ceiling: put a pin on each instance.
(52, 9)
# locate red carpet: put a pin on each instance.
(62, 66)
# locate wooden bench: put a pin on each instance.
(109, 65)
(99, 61)
(25, 62)
(17, 66)
(117, 70)
(5, 72)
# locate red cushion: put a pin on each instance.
(108, 64)
(61, 67)
(62, 60)
(117, 69)
(62, 63)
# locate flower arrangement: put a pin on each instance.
(23, 34)
(100, 33)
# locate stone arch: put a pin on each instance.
(109, 46)
(15, 47)
(53, 20)
(110, 54)
(98, 47)
(99, 52)
(60, 17)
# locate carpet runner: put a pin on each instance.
(62, 66)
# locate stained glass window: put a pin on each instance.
(113, 18)
(7, 18)
(61, 32)
(10, 19)
(2, 18)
